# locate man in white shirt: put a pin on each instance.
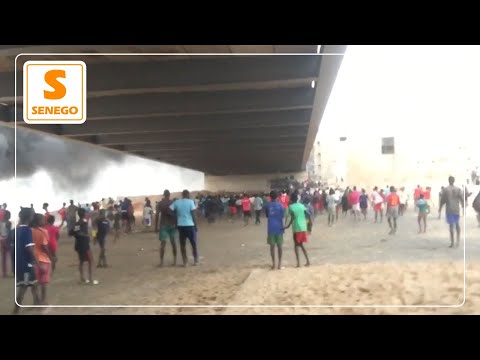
(377, 201)
(403, 200)
(257, 206)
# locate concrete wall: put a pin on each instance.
(240, 183)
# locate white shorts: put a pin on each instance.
(147, 221)
(356, 207)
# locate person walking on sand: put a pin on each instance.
(423, 210)
(274, 213)
(452, 198)
(187, 225)
(298, 217)
(377, 202)
(364, 204)
(331, 205)
(168, 224)
(82, 247)
(393, 202)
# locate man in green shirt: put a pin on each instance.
(298, 217)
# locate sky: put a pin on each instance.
(413, 90)
(428, 93)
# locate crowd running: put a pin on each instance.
(93, 224)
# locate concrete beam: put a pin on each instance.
(329, 68)
(222, 137)
(147, 105)
(182, 146)
(172, 124)
(213, 151)
(181, 75)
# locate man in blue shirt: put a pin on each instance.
(275, 213)
(186, 224)
(24, 272)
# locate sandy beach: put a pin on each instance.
(353, 264)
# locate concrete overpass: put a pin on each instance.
(243, 114)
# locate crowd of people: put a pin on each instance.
(37, 235)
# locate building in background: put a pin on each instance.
(371, 159)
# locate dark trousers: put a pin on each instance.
(257, 216)
(5, 252)
(184, 233)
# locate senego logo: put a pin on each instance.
(54, 92)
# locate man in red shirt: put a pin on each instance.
(247, 209)
(393, 203)
(354, 200)
(53, 236)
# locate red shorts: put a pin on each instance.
(300, 237)
(42, 272)
(377, 207)
(233, 210)
(317, 206)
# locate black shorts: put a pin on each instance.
(125, 216)
(27, 278)
(84, 255)
(247, 214)
(82, 247)
(186, 232)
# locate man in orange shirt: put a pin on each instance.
(42, 254)
(393, 202)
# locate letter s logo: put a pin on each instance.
(59, 89)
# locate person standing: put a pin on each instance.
(423, 210)
(298, 217)
(257, 207)
(274, 213)
(364, 204)
(452, 198)
(168, 224)
(25, 260)
(354, 200)
(377, 201)
(187, 225)
(393, 202)
(71, 216)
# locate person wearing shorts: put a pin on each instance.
(453, 197)
(377, 201)
(25, 260)
(298, 217)
(364, 204)
(103, 228)
(331, 205)
(168, 225)
(53, 236)
(82, 247)
(43, 256)
(232, 208)
(354, 200)
(274, 213)
(423, 210)
(393, 203)
(247, 209)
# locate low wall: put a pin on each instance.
(246, 183)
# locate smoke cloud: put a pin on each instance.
(72, 166)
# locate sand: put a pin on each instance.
(352, 264)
